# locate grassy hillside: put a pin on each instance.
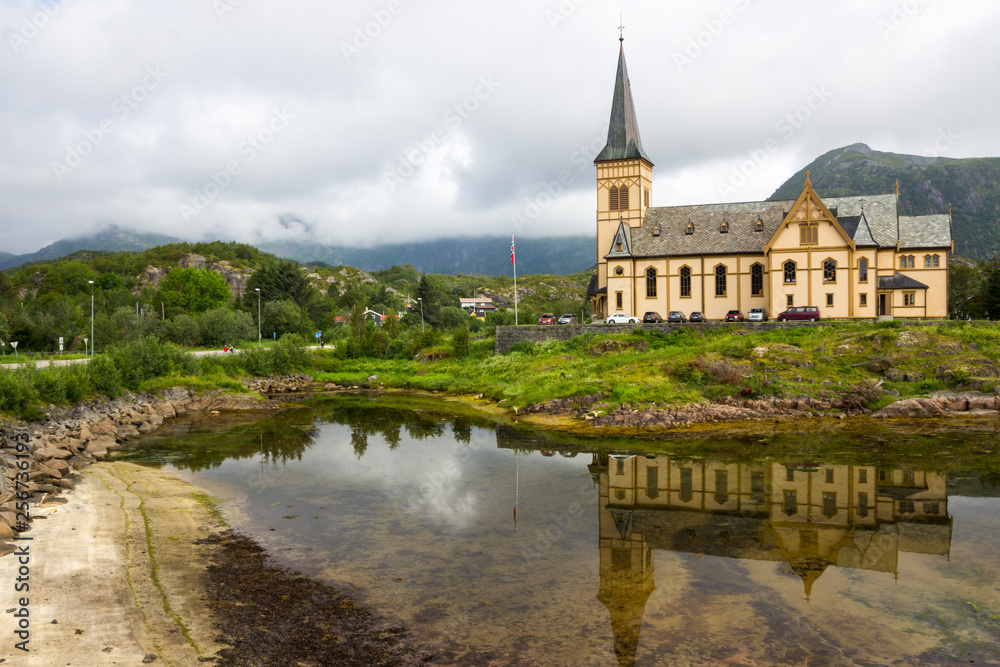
(927, 185)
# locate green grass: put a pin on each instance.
(651, 367)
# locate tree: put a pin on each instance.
(989, 288)
(68, 278)
(192, 290)
(222, 326)
(4, 330)
(278, 280)
(285, 317)
(7, 289)
(432, 294)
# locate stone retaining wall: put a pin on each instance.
(508, 336)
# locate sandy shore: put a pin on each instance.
(115, 574)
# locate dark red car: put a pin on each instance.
(547, 318)
(734, 316)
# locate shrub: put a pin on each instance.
(460, 343)
(104, 376)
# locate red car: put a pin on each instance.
(547, 318)
(810, 313)
(734, 316)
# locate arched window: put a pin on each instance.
(789, 271)
(623, 198)
(656, 229)
(690, 228)
(651, 283)
(724, 227)
(759, 225)
(911, 261)
(902, 262)
(830, 271)
(757, 280)
(720, 280)
(863, 270)
(927, 261)
(936, 261)
(685, 281)
(613, 198)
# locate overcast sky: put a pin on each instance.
(391, 120)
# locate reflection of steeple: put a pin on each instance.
(626, 567)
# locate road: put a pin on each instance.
(45, 363)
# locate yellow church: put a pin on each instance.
(851, 257)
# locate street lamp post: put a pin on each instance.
(258, 315)
(91, 318)
(422, 313)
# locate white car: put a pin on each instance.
(757, 315)
(622, 318)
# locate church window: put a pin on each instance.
(909, 298)
(829, 300)
(690, 228)
(808, 235)
(652, 482)
(862, 504)
(757, 280)
(623, 198)
(756, 487)
(790, 300)
(863, 270)
(687, 486)
(931, 508)
(789, 475)
(864, 300)
(863, 476)
(759, 226)
(936, 261)
(927, 261)
(906, 507)
(656, 230)
(613, 198)
(791, 504)
(618, 300)
(685, 281)
(789, 271)
(618, 247)
(902, 262)
(650, 283)
(720, 280)
(830, 271)
(829, 505)
(724, 227)
(619, 271)
(829, 475)
(911, 261)
(721, 487)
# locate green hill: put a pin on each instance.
(927, 185)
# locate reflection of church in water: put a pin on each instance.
(805, 516)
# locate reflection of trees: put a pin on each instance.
(462, 430)
(359, 441)
(279, 438)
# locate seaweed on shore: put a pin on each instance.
(271, 616)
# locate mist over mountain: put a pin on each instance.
(111, 239)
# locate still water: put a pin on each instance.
(496, 545)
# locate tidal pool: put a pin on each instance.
(494, 544)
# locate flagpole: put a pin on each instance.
(513, 259)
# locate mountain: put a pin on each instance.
(470, 256)
(110, 239)
(926, 185)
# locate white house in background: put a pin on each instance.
(478, 306)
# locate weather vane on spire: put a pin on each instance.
(621, 28)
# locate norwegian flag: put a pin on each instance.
(511, 248)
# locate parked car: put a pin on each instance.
(696, 316)
(622, 318)
(676, 316)
(810, 313)
(734, 316)
(547, 318)
(651, 318)
(568, 318)
(757, 315)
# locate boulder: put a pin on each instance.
(6, 533)
(52, 453)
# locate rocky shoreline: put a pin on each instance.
(773, 408)
(71, 439)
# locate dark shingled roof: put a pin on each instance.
(900, 281)
(874, 226)
(623, 237)
(623, 132)
(592, 289)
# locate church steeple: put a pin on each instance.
(623, 132)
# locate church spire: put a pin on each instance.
(623, 133)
